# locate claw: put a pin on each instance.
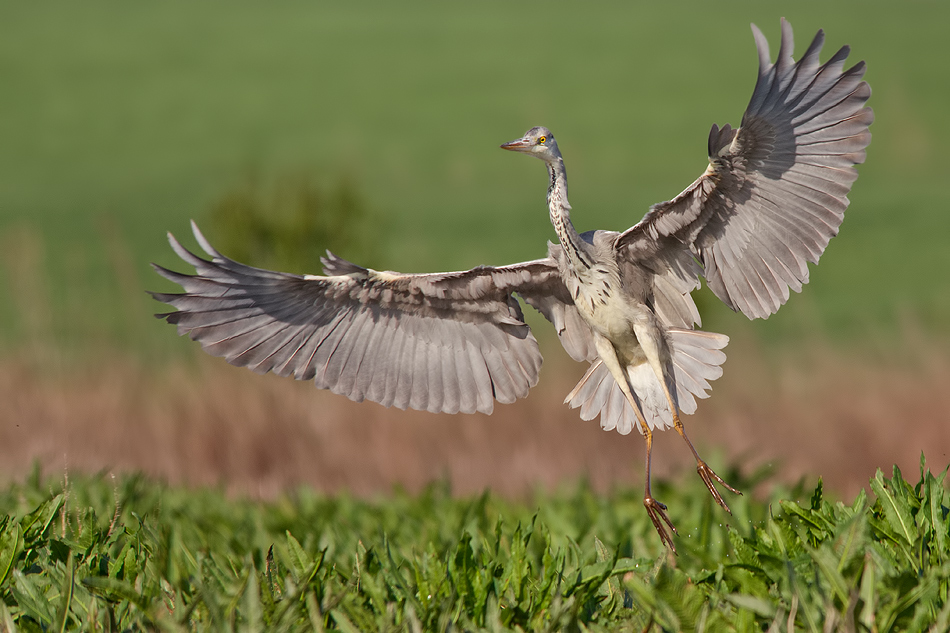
(708, 475)
(657, 511)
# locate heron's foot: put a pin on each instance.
(709, 477)
(657, 512)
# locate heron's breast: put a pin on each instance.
(602, 302)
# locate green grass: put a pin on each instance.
(120, 122)
(131, 554)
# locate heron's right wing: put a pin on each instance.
(776, 188)
(443, 342)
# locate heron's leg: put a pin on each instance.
(650, 345)
(705, 472)
(655, 509)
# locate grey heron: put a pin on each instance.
(773, 195)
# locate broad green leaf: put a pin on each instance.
(114, 589)
(299, 560)
(11, 544)
(764, 608)
(32, 599)
(828, 564)
(6, 620)
(895, 506)
(851, 540)
(37, 522)
(811, 518)
(252, 613)
(933, 516)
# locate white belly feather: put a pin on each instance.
(610, 312)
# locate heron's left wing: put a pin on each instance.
(775, 190)
(449, 342)
(538, 282)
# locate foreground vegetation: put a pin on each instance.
(132, 554)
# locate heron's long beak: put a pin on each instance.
(520, 145)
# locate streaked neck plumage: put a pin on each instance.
(560, 210)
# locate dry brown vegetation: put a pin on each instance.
(813, 413)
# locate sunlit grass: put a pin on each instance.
(131, 553)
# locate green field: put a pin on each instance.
(118, 123)
(100, 554)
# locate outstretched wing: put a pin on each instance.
(444, 342)
(776, 189)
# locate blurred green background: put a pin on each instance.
(120, 121)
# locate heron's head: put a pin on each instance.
(539, 142)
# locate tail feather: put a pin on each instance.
(696, 360)
(596, 394)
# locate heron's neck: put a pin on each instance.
(560, 210)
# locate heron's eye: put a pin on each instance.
(542, 139)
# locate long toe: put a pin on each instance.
(709, 476)
(657, 512)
